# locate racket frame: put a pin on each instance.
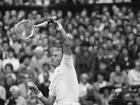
(32, 32)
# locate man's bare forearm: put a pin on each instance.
(64, 35)
(67, 43)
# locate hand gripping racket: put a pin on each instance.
(25, 28)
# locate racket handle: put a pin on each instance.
(50, 20)
(41, 24)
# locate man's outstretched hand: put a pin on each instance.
(52, 19)
(31, 85)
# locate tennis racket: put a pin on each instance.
(25, 28)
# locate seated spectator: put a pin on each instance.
(118, 78)
(9, 81)
(85, 60)
(83, 85)
(15, 98)
(38, 60)
(103, 69)
(8, 68)
(104, 94)
(25, 67)
(99, 82)
(134, 74)
(12, 59)
(125, 60)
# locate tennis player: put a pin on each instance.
(64, 88)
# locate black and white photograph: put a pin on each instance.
(69, 52)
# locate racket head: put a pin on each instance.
(24, 29)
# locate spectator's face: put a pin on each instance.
(15, 94)
(117, 69)
(137, 64)
(92, 40)
(125, 51)
(26, 61)
(55, 59)
(100, 77)
(128, 29)
(102, 66)
(9, 81)
(10, 54)
(84, 78)
(45, 42)
(8, 69)
(5, 46)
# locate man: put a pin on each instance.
(64, 88)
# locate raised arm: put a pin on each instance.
(46, 101)
(67, 43)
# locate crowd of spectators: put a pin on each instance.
(106, 51)
(53, 2)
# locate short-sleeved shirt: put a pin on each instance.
(64, 85)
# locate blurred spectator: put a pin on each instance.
(8, 68)
(118, 78)
(100, 82)
(103, 69)
(134, 74)
(15, 98)
(38, 60)
(26, 67)
(9, 81)
(85, 60)
(12, 59)
(124, 60)
(105, 94)
(83, 85)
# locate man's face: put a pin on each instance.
(55, 59)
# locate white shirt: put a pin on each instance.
(64, 85)
(134, 77)
(15, 62)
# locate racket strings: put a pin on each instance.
(24, 29)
